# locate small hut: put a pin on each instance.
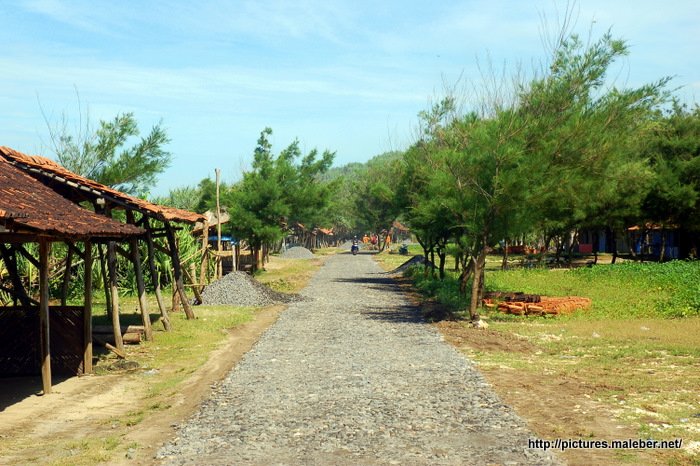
(33, 333)
(156, 220)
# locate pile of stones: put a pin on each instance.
(240, 289)
(413, 261)
(297, 252)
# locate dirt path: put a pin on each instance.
(353, 376)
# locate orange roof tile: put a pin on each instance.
(29, 206)
(32, 163)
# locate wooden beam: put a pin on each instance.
(87, 310)
(114, 294)
(122, 252)
(219, 262)
(204, 266)
(195, 286)
(179, 286)
(9, 256)
(141, 288)
(66, 275)
(20, 248)
(44, 249)
(155, 279)
(105, 280)
(162, 248)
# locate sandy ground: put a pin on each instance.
(80, 407)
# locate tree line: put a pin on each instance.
(538, 158)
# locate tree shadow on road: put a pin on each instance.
(380, 282)
(395, 314)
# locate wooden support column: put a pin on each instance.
(219, 260)
(87, 310)
(9, 256)
(155, 279)
(105, 280)
(67, 274)
(44, 249)
(195, 286)
(178, 286)
(141, 288)
(204, 268)
(114, 293)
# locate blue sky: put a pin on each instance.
(345, 76)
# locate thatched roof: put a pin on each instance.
(77, 188)
(27, 206)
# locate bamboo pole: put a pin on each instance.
(44, 331)
(114, 292)
(87, 311)
(219, 262)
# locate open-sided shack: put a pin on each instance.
(61, 193)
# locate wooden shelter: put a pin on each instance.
(156, 220)
(31, 212)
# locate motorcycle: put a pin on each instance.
(355, 249)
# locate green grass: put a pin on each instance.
(628, 290)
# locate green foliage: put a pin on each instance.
(374, 200)
(101, 156)
(185, 197)
(277, 191)
(674, 151)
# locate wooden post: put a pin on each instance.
(114, 292)
(195, 286)
(155, 278)
(177, 271)
(44, 249)
(141, 288)
(219, 262)
(67, 274)
(205, 255)
(105, 280)
(9, 256)
(87, 311)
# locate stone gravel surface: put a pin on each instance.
(352, 375)
(297, 252)
(240, 289)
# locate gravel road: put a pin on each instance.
(352, 375)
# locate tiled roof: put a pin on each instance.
(27, 205)
(36, 165)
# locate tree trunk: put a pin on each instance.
(662, 252)
(477, 284)
(442, 255)
(504, 262)
(467, 269)
(613, 240)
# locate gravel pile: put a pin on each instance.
(353, 376)
(240, 289)
(297, 252)
(415, 260)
